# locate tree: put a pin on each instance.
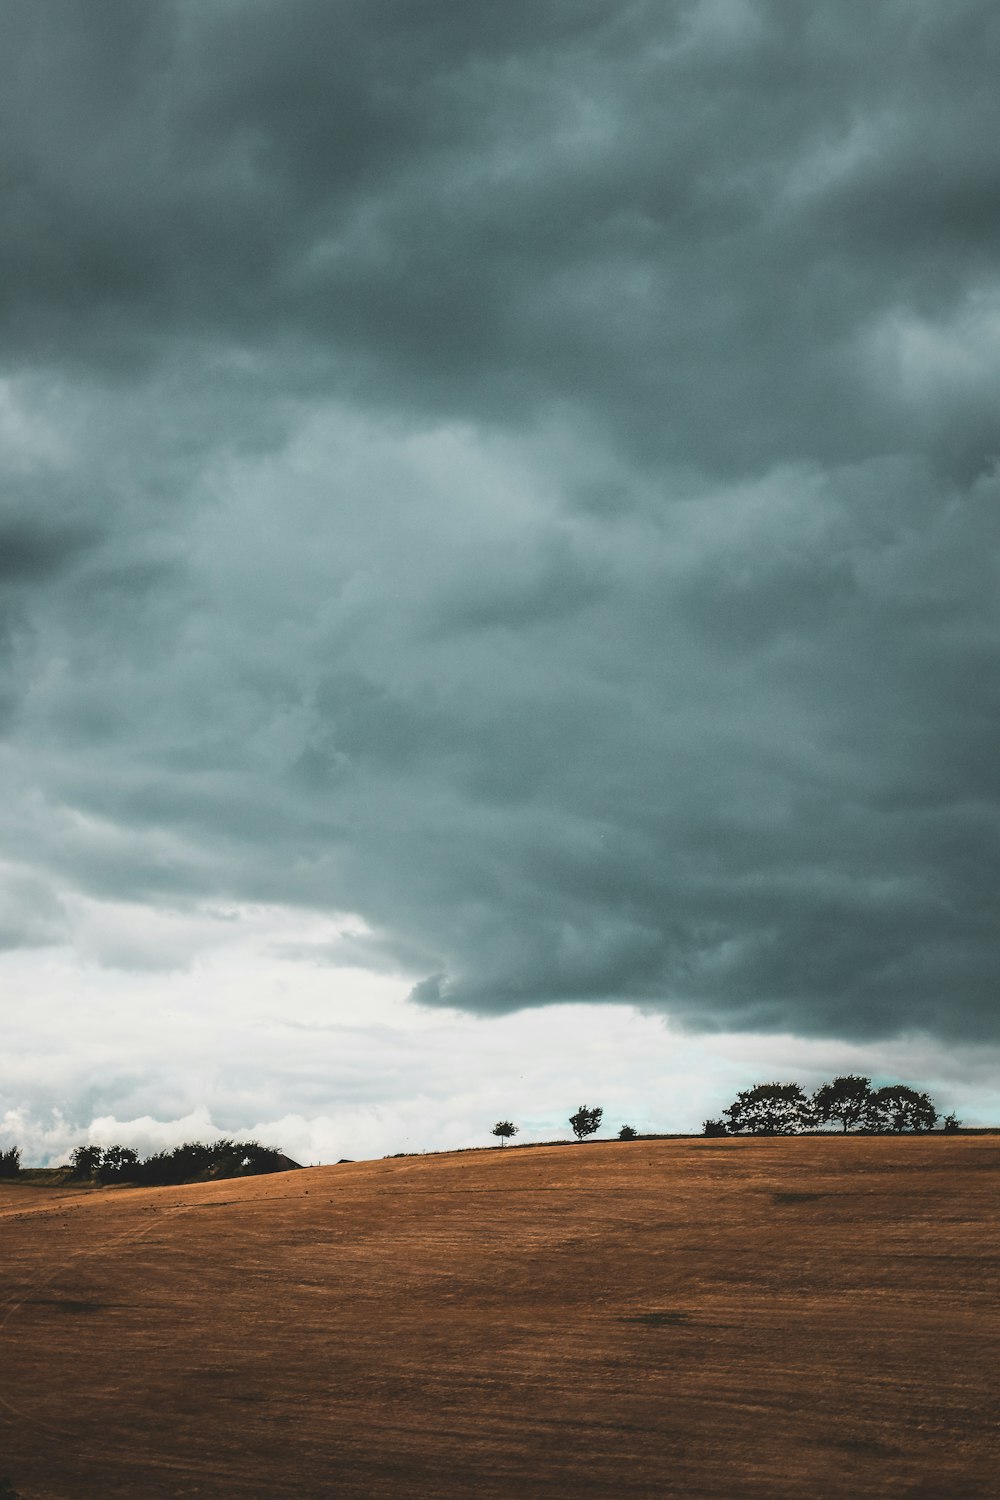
(770, 1109)
(628, 1134)
(10, 1162)
(585, 1121)
(256, 1160)
(86, 1160)
(505, 1129)
(714, 1128)
(847, 1099)
(897, 1107)
(118, 1162)
(950, 1124)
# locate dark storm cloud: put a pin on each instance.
(31, 549)
(691, 220)
(525, 477)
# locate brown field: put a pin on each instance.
(689, 1318)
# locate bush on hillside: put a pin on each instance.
(10, 1165)
(715, 1128)
(627, 1133)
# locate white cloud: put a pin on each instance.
(326, 1062)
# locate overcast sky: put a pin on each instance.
(498, 562)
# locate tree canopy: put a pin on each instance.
(847, 1099)
(784, 1109)
(186, 1163)
(896, 1108)
(586, 1121)
(770, 1109)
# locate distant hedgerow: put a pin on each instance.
(185, 1163)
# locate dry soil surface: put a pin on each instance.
(685, 1318)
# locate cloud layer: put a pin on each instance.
(524, 482)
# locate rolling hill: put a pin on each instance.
(671, 1318)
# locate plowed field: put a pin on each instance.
(684, 1318)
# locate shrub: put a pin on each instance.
(10, 1165)
(950, 1124)
(715, 1128)
(628, 1134)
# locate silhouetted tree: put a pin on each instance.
(770, 1109)
(627, 1133)
(10, 1165)
(847, 1099)
(86, 1160)
(255, 1160)
(505, 1129)
(715, 1127)
(118, 1163)
(193, 1158)
(897, 1107)
(950, 1124)
(586, 1121)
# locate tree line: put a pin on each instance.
(184, 1163)
(786, 1109)
(187, 1163)
(849, 1101)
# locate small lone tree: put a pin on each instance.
(847, 1099)
(585, 1121)
(897, 1107)
(505, 1129)
(950, 1124)
(770, 1109)
(628, 1134)
(10, 1165)
(714, 1128)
